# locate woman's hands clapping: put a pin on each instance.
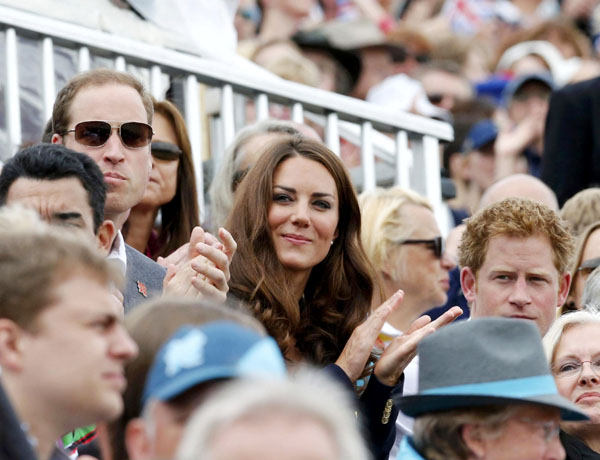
(398, 353)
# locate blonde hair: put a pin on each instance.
(582, 210)
(384, 223)
(562, 324)
(519, 218)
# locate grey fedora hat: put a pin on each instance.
(483, 362)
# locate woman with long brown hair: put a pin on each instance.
(171, 189)
(302, 270)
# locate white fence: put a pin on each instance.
(406, 144)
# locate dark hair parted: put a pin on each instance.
(54, 162)
(181, 214)
(338, 293)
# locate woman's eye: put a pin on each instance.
(322, 204)
(281, 197)
(567, 367)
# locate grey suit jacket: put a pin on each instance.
(143, 278)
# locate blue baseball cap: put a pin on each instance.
(481, 133)
(516, 84)
(216, 350)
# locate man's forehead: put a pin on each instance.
(532, 252)
(111, 101)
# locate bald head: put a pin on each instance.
(519, 186)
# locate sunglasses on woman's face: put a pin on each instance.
(436, 244)
(165, 151)
(133, 134)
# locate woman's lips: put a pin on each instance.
(296, 239)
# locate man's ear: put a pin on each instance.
(10, 345)
(57, 139)
(564, 284)
(137, 440)
(105, 235)
(468, 283)
(474, 438)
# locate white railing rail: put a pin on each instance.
(411, 150)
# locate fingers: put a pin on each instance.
(228, 242)
(196, 237)
(418, 323)
(447, 317)
(205, 289)
(373, 324)
(214, 275)
(216, 256)
(176, 258)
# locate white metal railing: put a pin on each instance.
(410, 145)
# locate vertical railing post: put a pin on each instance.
(156, 88)
(120, 64)
(12, 100)
(332, 135)
(227, 114)
(194, 125)
(367, 156)
(83, 59)
(262, 107)
(48, 82)
(404, 160)
(297, 113)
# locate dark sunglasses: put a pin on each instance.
(133, 134)
(436, 244)
(165, 151)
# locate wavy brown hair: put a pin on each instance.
(337, 296)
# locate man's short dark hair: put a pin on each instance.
(54, 162)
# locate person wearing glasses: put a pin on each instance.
(301, 269)
(573, 351)
(107, 115)
(403, 242)
(170, 191)
(514, 257)
(584, 262)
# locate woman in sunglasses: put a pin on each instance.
(403, 242)
(171, 189)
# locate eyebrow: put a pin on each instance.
(316, 194)
(67, 215)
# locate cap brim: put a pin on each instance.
(415, 405)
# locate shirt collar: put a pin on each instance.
(117, 253)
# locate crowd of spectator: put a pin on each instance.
(302, 320)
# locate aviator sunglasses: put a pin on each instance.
(436, 244)
(133, 134)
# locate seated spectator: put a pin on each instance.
(304, 274)
(403, 242)
(481, 158)
(189, 366)
(299, 418)
(65, 187)
(522, 135)
(151, 325)
(243, 152)
(573, 350)
(444, 84)
(584, 262)
(473, 402)
(519, 186)
(171, 190)
(59, 355)
(514, 257)
(582, 210)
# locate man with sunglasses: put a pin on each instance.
(107, 115)
(514, 257)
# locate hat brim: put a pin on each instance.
(415, 405)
